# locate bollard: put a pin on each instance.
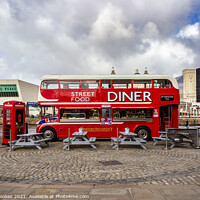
(117, 139)
(68, 139)
(166, 147)
(187, 123)
(197, 147)
(26, 128)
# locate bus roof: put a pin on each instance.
(105, 77)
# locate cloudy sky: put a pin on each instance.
(39, 37)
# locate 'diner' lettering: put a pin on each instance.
(133, 97)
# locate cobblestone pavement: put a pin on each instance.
(81, 165)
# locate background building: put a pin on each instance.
(189, 87)
(20, 91)
(180, 84)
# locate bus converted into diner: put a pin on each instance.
(146, 104)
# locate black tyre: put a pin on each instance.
(144, 133)
(49, 133)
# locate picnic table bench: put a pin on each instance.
(30, 139)
(127, 138)
(80, 138)
(162, 137)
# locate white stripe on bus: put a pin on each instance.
(71, 103)
(54, 123)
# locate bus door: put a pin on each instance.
(106, 115)
(165, 117)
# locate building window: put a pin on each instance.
(8, 91)
(9, 94)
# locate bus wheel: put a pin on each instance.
(49, 133)
(143, 132)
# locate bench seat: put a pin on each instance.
(160, 138)
(13, 142)
(141, 140)
(114, 139)
(42, 140)
(66, 140)
(92, 139)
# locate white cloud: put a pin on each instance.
(3, 65)
(76, 37)
(150, 30)
(44, 23)
(191, 31)
(110, 25)
(4, 11)
(167, 57)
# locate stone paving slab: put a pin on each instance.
(5, 189)
(129, 192)
(116, 193)
(110, 191)
(191, 194)
(146, 194)
(22, 191)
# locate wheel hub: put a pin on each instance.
(48, 134)
(142, 133)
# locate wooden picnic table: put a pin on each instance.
(128, 138)
(30, 139)
(80, 138)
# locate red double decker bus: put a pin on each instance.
(146, 104)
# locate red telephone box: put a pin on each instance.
(13, 120)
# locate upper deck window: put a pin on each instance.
(121, 83)
(49, 85)
(69, 84)
(90, 84)
(106, 84)
(162, 84)
(142, 84)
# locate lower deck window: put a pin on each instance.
(132, 113)
(77, 114)
(49, 111)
